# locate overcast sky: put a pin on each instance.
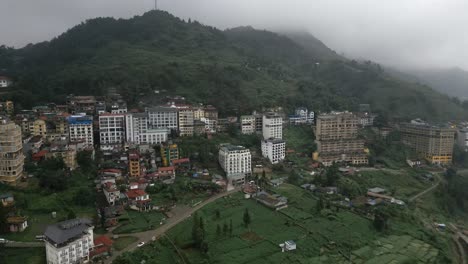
(405, 33)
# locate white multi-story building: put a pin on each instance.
(274, 149)
(163, 117)
(135, 124)
(247, 124)
(138, 130)
(462, 138)
(5, 82)
(119, 107)
(236, 162)
(366, 119)
(80, 128)
(111, 129)
(69, 241)
(186, 122)
(111, 191)
(272, 126)
(210, 124)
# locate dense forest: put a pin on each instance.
(237, 70)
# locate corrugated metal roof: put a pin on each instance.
(62, 232)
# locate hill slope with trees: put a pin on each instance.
(236, 70)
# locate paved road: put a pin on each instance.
(181, 213)
(427, 190)
(14, 244)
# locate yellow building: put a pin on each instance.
(68, 156)
(134, 164)
(9, 107)
(39, 128)
(337, 141)
(168, 153)
(434, 143)
(11, 153)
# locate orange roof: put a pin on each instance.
(142, 180)
(379, 195)
(16, 219)
(103, 240)
(112, 170)
(179, 161)
(132, 194)
(171, 168)
(110, 187)
(40, 154)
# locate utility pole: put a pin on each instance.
(155, 4)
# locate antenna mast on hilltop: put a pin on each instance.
(155, 4)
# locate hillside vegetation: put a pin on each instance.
(236, 70)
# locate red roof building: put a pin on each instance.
(137, 195)
(40, 155)
(102, 245)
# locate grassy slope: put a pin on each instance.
(319, 239)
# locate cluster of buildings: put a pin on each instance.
(236, 161)
(14, 220)
(155, 125)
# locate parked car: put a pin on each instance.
(141, 244)
(3, 241)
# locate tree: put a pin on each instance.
(84, 160)
(198, 230)
(71, 215)
(246, 218)
(319, 205)
(380, 221)
(51, 174)
(293, 178)
(218, 230)
(3, 219)
(230, 227)
(332, 175)
(204, 247)
(218, 213)
(202, 229)
(225, 228)
(84, 197)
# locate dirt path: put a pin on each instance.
(427, 190)
(181, 213)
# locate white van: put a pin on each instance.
(3, 241)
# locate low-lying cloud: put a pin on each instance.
(403, 33)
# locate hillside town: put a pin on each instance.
(138, 151)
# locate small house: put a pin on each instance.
(7, 199)
(17, 223)
(288, 246)
(413, 163)
(376, 190)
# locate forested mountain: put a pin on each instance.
(452, 81)
(237, 70)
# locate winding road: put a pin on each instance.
(181, 213)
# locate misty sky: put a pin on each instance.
(405, 33)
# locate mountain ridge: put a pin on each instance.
(237, 70)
